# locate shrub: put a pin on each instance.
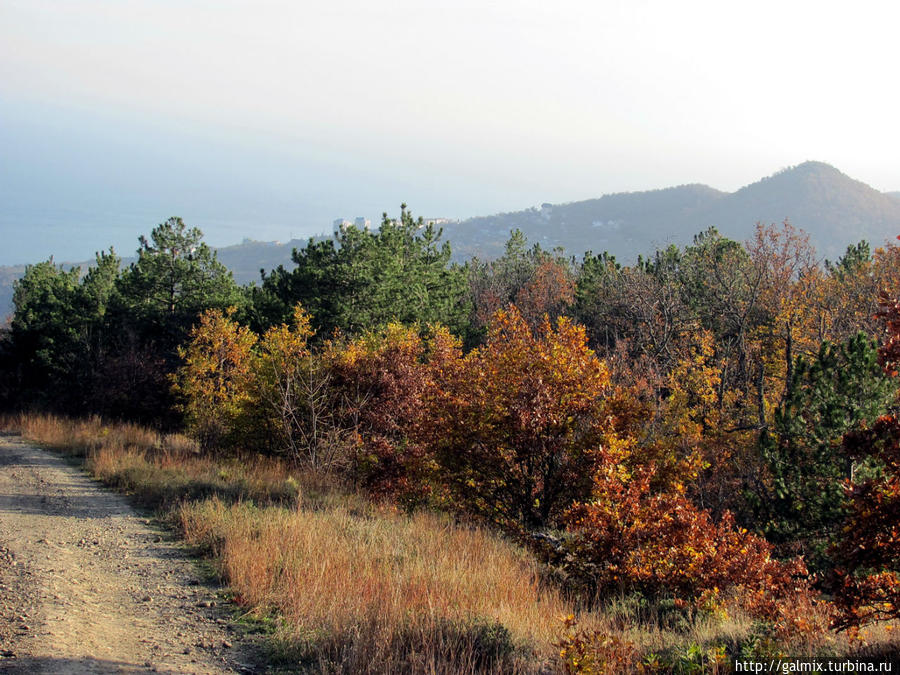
(214, 381)
(380, 379)
(630, 538)
(515, 424)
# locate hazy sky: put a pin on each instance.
(271, 118)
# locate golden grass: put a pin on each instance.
(351, 586)
(81, 436)
(160, 470)
(363, 588)
(383, 591)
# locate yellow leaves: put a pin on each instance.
(302, 322)
(694, 385)
(214, 380)
(283, 344)
(518, 422)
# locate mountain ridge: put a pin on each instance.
(834, 209)
(830, 206)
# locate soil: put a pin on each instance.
(88, 585)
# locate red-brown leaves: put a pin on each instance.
(629, 538)
(550, 292)
(517, 424)
(382, 378)
(889, 313)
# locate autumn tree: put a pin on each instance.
(214, 384)
(382, 378)
(550, 292)
(723, 287)
(790, 284)
(538, 282)
(631, 538)
(656, 312)
(517, 423)
(292, 388)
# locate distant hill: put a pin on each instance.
(8, 274)
(246, 259)
(834, 209)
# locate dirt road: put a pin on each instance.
(87, 585)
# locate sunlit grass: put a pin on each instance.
(352, 586)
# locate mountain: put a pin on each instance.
(834, 209)
(246, 259)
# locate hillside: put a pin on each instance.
(624, 223)
(245, 260)
(833, 208)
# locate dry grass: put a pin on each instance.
(162, 470)
(350, 586)
(362, 588)
(82, 436)
(377, 590)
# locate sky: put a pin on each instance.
(269, 119)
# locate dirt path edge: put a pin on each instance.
(89, 585)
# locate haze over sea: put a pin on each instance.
(269, 120)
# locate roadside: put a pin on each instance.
(88, 585)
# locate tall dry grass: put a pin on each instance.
(351, 586)
(82, 436)
(378, 591)
(161, 470)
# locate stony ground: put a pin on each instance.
(88, 585)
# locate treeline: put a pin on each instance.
(105, 341)
(713, 424)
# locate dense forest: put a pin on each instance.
(715, 424)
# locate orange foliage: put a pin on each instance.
(213, 381)
(630, 538)
(382, 378)
(550, 292)
(516, 424)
